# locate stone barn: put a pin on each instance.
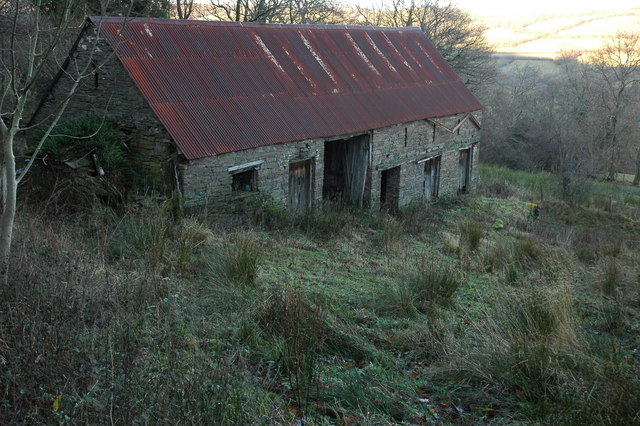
(223, 111)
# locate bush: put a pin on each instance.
(427, 286)
(471, 233)
(238, 260)
(575, 190)
(611, 278)
(327, 221)
(93, 133)
(299, 329)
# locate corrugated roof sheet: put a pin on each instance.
(226, 86)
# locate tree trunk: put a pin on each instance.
(9, 192)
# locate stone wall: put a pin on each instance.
(207, 181)
(111, 92)
(405, 144)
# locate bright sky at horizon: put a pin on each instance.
(540, 7)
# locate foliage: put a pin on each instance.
(471, 234)
(238, 260)
(300, 329)
(93, 134)
(422, 289)
(128, 318)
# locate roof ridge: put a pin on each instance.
(169, 21)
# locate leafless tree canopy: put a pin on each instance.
(460, 40)
(33, 46)
(279, 11)
(582, 120)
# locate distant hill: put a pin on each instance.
(548, 35)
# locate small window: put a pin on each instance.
(245, 181)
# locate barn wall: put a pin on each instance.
(423, 139)
(207, 181)
(111, 92)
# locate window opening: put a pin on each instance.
(245, 181)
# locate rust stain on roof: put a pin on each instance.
(220, 87)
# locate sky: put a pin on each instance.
(540, 7)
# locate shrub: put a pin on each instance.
(145, 234)
(471, 233)
(610, 280)
(327, 221)
(299, 329)
(238, 260)
(93, 133)
(428, 285)
(575, 190)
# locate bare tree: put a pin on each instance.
(279, 11)
(617, 65)
(184, 8)
(247, 10)
(454, 33)
(32, 41)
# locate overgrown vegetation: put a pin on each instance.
(468, 311)
(87, 158)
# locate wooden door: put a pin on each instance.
(390, 189)
(300, 185)
(431, 178)
(464, 170)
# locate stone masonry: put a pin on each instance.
(109, 91)
(208, 181)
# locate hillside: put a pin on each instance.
(548, 35)
(471, 310)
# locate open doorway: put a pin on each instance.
(390, 189)
(464, 170)
(346, 170)
(432, 178)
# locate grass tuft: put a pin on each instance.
(239, 257)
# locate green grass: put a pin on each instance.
(141, 319)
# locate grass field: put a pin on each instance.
(471, 310)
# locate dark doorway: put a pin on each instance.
(346, 170)
(300, 185)
(390, 189)
(464, 170)
(431, 178)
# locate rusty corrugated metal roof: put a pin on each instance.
(226, 86)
